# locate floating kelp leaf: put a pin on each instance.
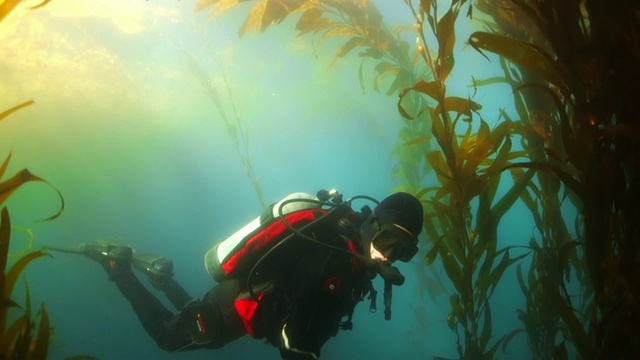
(346, 48)
(22, 177)
(456, 311)
(511, 196)
(361, 76)
(253, 22)
(460, 105)
(572, 322)
(465, 145)
(502, 131)
(566, 178)
(383, 69)
(45, 2)
(9, 186)
(487, 328)
(277, 10)
(433, 253)
(481, 149)
(40, 344)
(5, 238)
(523, 54)
(312, 21)
(499, 270)
(418, 140)
(29, 245)
(527, 199)
(401, 109)
(372, 53)
(502, 158)
(10, 111)
(400, 81)
(12, 334)
(6, 7)
(453, 247)
(433, 89)
(523, 286)
(510, 336)
(4, 166)
(446, 39)
(425, 7)
(17, 268)
(490, 354)
(439, 165)
(7, 303)
(338, 30)
(430, 226)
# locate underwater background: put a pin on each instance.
(125, 128)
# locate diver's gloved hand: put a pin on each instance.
(115, 259)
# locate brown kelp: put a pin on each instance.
(544, 197)
(23, 338)
(469, 168)
(555, 253)
(588, 66)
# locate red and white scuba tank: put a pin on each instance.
(235, 256)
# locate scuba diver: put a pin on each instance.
(293, 276)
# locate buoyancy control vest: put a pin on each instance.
(235, 256)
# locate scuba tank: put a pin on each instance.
(235, 256)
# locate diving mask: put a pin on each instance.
(393, 242)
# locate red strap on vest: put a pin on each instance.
(246, 308)
(354, 260)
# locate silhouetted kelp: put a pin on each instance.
(20, 339)
(572, 66)
(23, 338)
(589, 71)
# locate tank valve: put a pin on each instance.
(326, 195)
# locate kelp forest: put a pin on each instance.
(565, 147)
(571, 142)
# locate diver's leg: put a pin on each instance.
(176, 294)
(116, 260)
(211, 322)
(152, 314)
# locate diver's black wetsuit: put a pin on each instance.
(310, 291)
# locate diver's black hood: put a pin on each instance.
(402, 209)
